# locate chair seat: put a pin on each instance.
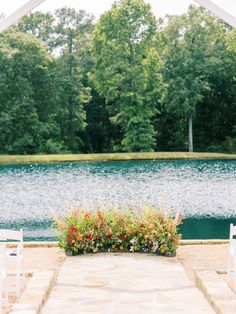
(13, 254)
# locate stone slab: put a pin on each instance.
(216, 290)
(35, 293)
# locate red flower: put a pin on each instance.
(70, 242)
(74, 229)
(88, 236)
(123, 238)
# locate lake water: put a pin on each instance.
(205, 191)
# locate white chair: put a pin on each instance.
(231, 268)
(3, 279)
(16, 257)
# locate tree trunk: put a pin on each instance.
(190, 134)
(70, 100)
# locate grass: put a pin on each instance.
(24, 159)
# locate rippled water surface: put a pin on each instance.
(31, 194)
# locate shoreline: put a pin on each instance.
(26, 159)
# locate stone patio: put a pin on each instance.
(124, 283)
(140, 283)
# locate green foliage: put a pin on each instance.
(71, 90)
(231, 40)
(134, 230)
(39, 25)
(133, 83)
(25, 94)
(127, 83)
(190, 57)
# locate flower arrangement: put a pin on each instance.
(146, 230)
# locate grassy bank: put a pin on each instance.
(18, 159)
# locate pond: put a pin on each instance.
(204, 190)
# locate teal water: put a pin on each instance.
(205, 191)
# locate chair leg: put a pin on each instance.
(229, 270)
(23, 279)
(1, 296)
(4, 296)
(18, 279)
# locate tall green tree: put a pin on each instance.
(127, 70)
(38, 24)
(189, 46)
(100, 134)
(26, 101)
(73, 95)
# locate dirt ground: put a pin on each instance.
(41, 258)
(212, 256)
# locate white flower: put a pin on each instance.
(155, 246)
(132, 241)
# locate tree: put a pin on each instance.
(26, 101)
(73, 94)
(127, 70)
(231, 40)
(39, 25)
(189, 58)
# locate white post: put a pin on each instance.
(219, 12)
(18, 14)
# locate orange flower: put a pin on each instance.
(79, 236)
(128, 230)
(109, 233)
(87, 215)
(152, 227)
(154, 232)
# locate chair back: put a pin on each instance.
(232, 232)
(6, 234)
(231, 267)
(2, 259)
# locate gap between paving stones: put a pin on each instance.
(35, 293)
(216, 291)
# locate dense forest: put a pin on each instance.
(127, 82)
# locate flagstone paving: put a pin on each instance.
(124, 283)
